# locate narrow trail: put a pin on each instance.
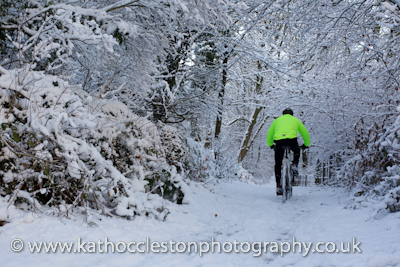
(253, 213)
(247, 218)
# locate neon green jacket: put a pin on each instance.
(286, 127)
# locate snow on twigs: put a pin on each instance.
(57, 154)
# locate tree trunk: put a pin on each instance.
(245, 144)
(221, 95)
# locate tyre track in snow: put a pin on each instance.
(250, 213)
(253, 213)
(223, 212)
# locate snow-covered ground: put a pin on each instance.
(226, 212)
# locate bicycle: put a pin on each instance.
(287, 174)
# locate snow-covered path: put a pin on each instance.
(226, 212)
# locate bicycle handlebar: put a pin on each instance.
(301, 147)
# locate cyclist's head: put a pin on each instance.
(288, 111)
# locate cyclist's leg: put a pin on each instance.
(278, 161)
(278, 166)
(294, 146)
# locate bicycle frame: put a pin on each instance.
(287, 174)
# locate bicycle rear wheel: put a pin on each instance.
(289, 183)
(284, 180)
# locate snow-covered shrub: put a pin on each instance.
(174, 146)
(374, 171)
(204, 163)
(226, 163)
(245, 176)
(392, 199)
(56, 152)
(200, 164)
(389, 144)
(61, 148)
(139, 152)
(46, 159)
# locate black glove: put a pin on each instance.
(273, 146)
(303, 146)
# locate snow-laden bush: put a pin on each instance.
(174, 145)
(200, 162)
(205, 163)
(59, 151)
(142, 152)
(392, 199)
(245, 176)
(390, 146)
(374, 171)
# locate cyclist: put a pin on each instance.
(283, 131)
